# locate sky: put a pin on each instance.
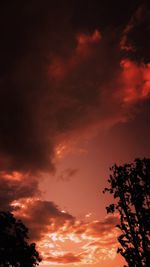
(74, 100)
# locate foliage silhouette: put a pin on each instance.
(130, 186)
(15, 251)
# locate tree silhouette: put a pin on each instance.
(130, 186)
(15, 251)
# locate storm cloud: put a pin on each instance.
(58, 76)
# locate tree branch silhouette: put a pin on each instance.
(130, 187)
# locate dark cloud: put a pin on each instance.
(33, 112)
(56, 75)
(27, 37)
(16, 187)
(124, 133)
(103, 14)
(67, 174)
(136, 38)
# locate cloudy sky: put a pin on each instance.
(74, 99)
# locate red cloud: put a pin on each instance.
(84, 42)
(135, 81)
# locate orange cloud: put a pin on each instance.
(91, 243)
(63, 239)
(29, 209)
(13, 176)
(65, 258)
(135, 41)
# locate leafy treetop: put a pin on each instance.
(15, 251)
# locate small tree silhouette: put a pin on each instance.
(14, 248)
(130, 186)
